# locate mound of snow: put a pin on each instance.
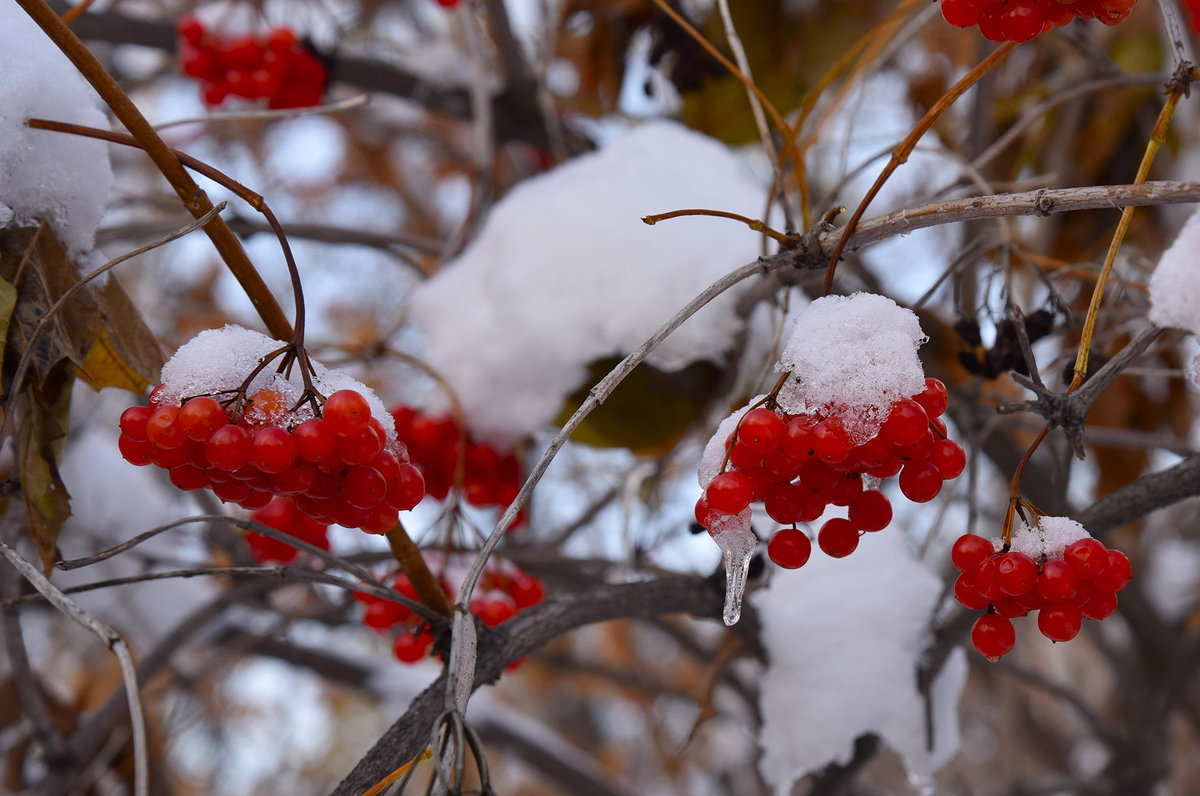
(564, 272)
(47, 176)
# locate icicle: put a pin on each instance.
(737, 542)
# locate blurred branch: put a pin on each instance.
(137, 720)
(1143, 496)
(513, 121)
(528, 631)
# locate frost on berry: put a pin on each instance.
(853, 356)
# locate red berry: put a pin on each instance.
(228, 448)
(1086, 557)
(934, 399)
(494, 610)
(797, 439)
(906, 423)
(1017, 573)
(1057, 583)
(163, 429)
(920, 481)
(966, 593)
(993, 636)
(410, 648)
(987, 579)
(948, 457)
(830, 441)
(961, 13)
(526, 590)
(201, 416)
(1101, 605)
(1060, 622)
(871, 511)
(188, 477)
(838, 537)
(1116, 574)
(789, 548)
(315, 442)
(363, 487)
(133, 422)
(273, 450)
(743, 457)
(1022, 20)
(761, 430)
(407, 490)
(382, 615)
(295, 480)
(346, 413)
(729, 493)
(969, 551)
(360, 448)
(135, 451)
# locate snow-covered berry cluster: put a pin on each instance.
(282, 515)
(800, 465)
(276, 67)
(250, 439)
(336, 468)
(490, 477)
(504, 590)
(1056, 569)
(1022, 20)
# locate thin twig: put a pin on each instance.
(357, 101)
(114, 642)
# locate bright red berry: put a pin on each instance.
(993, 636)
(789, 548)
(920, 481)
(163, 429)
(228, 448)
(948, 457)
(870, 511)
(969, 551)
(1060, 622)
(273, 450)
(133, 422)
(729, 493)
(1116, 574)
(346, 413)
(761, 430)
(838, 537)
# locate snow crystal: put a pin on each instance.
(854, 356)
(1049, 539)
(48, 176)
(843, 640)
(1175, 284)
(566, 269)
(219, 360)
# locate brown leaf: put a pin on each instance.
(41, 421)
(99, 314)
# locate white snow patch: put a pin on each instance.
(48, 176)
(1049, 540)
(566, 269)
(1175, 288)
(852, 356)
(714, 452)
(1172, 579)
(843, 640)
(219, 360)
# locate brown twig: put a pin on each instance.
(192, 196)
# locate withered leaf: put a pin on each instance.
(41, 416)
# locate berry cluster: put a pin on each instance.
(490, 477)
(799, 465)
(336, 468)
(1082, 581)
(502, 593)
(1022, 20)
(282, 515)
(276, 67)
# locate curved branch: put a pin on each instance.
(1136, 500)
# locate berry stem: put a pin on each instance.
(754, 224)
(784, 130)
(904, 149)
(167, 161)
(412, 562)
(1176, 88)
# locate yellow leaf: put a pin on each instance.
(104, 367)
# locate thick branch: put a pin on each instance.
(1136, 500)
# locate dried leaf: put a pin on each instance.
(42, 416)
(8, 302)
